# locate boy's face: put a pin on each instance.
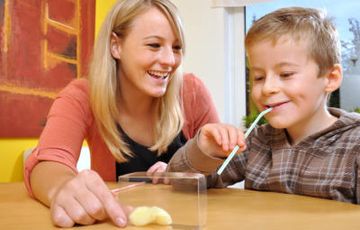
(286, 78)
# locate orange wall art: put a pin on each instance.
(44, 45)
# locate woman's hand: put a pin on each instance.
(218, 139)
(84, 200)
(158, 167)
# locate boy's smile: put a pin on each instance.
(285, 77)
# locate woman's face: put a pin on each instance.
(149, 54)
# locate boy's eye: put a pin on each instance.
(286, 74)
(258, 77)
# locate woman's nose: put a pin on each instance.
(167, 57)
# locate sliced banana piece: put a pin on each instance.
(162, 216)
(144, 215)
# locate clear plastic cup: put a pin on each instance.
(182, 195)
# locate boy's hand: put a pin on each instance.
(218, 139)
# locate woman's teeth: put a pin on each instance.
(158, 75)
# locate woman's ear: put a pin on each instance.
(115, 47)
(334, 78)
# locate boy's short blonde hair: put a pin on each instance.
(300, 23)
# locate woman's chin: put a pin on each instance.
(158, 93)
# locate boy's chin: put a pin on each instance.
(277, 125)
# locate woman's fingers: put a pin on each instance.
(78, 214)
(92, 206)
(85, 199)
(60, 218)
(114, 210)
(111, 206)
(157, 168)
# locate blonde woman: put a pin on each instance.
(135, 110)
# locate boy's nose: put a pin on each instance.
(271, 85)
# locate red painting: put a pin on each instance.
(44, 45)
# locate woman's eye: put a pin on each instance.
(154, 45)
(177, 48)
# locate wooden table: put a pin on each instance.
(226, 209)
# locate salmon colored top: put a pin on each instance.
(70, 121)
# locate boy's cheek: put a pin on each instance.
(255, 96)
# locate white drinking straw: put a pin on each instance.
(236, 148)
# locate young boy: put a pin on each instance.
(307, 148)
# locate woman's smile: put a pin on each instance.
(158, 74)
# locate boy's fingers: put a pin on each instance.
(233, 137)
(224, 133)
(211, 131)
(241, 140)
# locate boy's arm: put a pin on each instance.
(190, 158)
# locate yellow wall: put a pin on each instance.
(102, 8)
(11, 150)
(11, 162)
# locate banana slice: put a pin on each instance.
(143, 215)
(162, 216)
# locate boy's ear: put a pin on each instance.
(115, 47)
(334, 78)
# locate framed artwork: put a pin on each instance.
(44, 45)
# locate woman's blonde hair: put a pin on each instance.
(104, 82)
(307, 24)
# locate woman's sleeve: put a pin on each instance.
(66, 127)
(199, 108)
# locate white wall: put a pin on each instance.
(215, 52)
(204, 36)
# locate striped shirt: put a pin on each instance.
(325, 164)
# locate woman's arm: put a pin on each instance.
(47, 177)
(199, 108)
(66, 127)
(75, 199)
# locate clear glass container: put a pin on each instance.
(182, 195)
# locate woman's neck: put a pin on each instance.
(137, 117)
(136, 105)
(135, 102)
